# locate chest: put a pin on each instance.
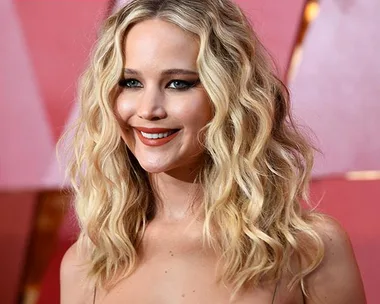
(178, 277)
(179, 271)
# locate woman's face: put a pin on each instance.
(162, 105)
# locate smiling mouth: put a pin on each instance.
(156, 137)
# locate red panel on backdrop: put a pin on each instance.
(50, 293)
(16, 217)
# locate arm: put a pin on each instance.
(73, 289)
(337, 280)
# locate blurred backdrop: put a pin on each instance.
(326, 51)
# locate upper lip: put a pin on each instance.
(154, 130)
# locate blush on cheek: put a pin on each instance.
(123, 108)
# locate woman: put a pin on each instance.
(189, 172)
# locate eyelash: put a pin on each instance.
(125, 83)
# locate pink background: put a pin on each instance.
(45, 44)
(337, 88)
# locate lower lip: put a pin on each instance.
(156, 142)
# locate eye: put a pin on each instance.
(182, 84)
(130, 83)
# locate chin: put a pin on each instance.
(154, 168)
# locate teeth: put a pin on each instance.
(156, 135)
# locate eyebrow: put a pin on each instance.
(165, 72)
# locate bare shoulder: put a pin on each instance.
(334, 236)
(337, 279)
(73, 286)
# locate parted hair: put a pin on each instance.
(258, 162)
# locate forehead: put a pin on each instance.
(160, 43)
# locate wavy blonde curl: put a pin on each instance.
(258, 166)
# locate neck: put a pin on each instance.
(176, 199)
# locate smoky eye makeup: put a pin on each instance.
(174, 84)
(179, 84)
(129, 83)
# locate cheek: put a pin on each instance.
(194, 111)
(123, 108)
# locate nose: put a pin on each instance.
(151, 105)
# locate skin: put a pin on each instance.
(154, 99)
(175, 267)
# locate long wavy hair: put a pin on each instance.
(258, 163)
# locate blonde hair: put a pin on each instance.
(257, 168)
